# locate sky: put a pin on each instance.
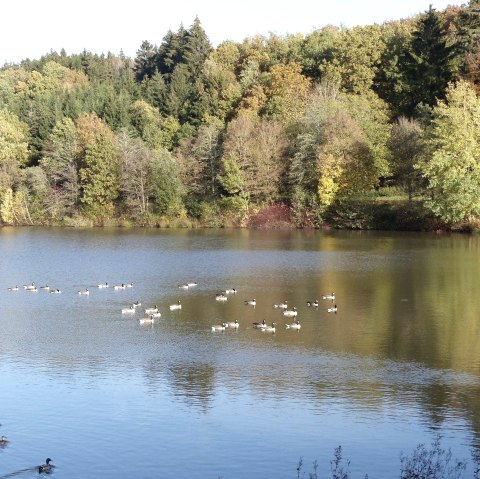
(31, 28)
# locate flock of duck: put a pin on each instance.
(264, 326)
(153, 313)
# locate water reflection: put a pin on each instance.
(193, 383)
(402, 349)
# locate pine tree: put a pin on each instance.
(429, 64)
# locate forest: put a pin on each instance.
(371, 127)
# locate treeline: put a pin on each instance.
(305, 128)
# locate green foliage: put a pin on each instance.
(429, 64)
(164, 182)
(407, 148)
(310, 120)
(453, 168)
(13, 148)
(355, 59)
(99, 177)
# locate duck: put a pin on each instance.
(192, 284)
(129, 285)
(119, 286)
(251, 302)
(84, 292)
(32, 290)
(29, 286)
(183, 286)
(230, 291)
(102, 285)
(136, 304)
(332, 309)
(331, 297)
(270, 329)
(47, 467)
(295, 325)
(175, 306)
(3, 441)
(221, 297)
(151, 310)
(290, 312)
(219, 327)
(149, 320)
(128, 310)
(55, 291)
(233, 324)
(261, 325)
(313, 303)
(46, 287)
(283, 305)
(13, 288)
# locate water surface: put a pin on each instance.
(84, 384)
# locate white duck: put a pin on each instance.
(151, 310)
(233, 324)
(130, 310)
(333, 309)
(251, 302)
(175, 306)
(295, 325)
(149, 320)
(290, 312)
(221, 297)
(269, 329)
(219, 327)
(84, 292)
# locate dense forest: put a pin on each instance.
(366, 127)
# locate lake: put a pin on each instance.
(104, 396)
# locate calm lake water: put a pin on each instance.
(107, 397)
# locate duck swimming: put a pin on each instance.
(175, 306)
(251, 302)
(269, 329)
(295, 325)
(47, 467)
(261, 325)
(219, 327)
(233, 324)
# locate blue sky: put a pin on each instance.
(31, 28)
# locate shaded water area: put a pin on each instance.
(105, 396)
